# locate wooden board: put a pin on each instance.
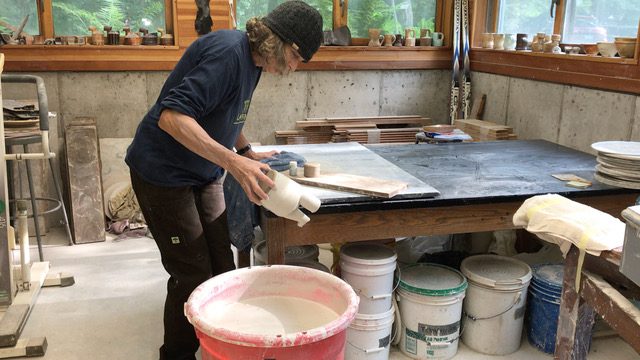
(364, 185)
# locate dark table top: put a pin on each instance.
(486, 172)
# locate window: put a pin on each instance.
(392, 16)
(13, 12)
(525, 16)
(579, 21)
(246, 9)
(590, 21)
(73, 17)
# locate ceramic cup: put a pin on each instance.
(409, 37)
(510, 42)
(437, 39)
(487, 40)
(374, 37)
(38, 40)
(389, 39)
(399, 40)
(425, 41)
(498, 41)
(522, 42)
(425, 33)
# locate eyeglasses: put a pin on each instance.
(296, 54)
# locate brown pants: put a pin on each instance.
(189, 226)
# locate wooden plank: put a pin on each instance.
(354, 183)
(569, 301)
(85, 183)
(12, 324)
(616, 310)
(25, 347)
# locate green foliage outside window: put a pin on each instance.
(393, 16)
(73, 17)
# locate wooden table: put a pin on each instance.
(480, 185)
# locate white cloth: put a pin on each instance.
(561, 221)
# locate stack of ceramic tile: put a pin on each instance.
(618, 163)
(366, 130)
(481, 130)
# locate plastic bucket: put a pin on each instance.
(369, 336)
(291, 254)
(369, 269)
(430, 303)
(495, 304)
(544, 306)
(272, 312)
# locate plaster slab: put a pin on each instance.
(590, 116)
(534, 109)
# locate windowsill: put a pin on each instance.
(123, 58)
(617, 74)
(90, 57)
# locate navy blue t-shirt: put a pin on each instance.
(213, 83)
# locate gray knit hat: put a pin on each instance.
(298, 24)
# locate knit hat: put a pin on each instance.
(298, 24)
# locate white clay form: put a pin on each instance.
(286, 196)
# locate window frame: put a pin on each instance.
(614, 74)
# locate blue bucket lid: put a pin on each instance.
(549, 275)
(432, 280)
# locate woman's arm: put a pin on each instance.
(190, 134)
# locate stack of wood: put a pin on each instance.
(481, 130)
(366, 130)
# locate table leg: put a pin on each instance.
(274, 229)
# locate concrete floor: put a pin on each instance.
(114, 310)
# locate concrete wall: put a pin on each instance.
(568, 115)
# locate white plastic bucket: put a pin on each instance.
(495, 304)
(369, 336)
(369, 269)
(430, 302)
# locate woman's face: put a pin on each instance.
(292, 58)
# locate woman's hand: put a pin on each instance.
(251, 174)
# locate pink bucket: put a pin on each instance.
(214, 305)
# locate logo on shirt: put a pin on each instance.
(242, 117)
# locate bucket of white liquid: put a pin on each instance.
(369, 336)
(272, 312)
(430, 302)
(369, 269)
(495, 304)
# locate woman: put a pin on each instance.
(184, 144)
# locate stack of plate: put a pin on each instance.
(618, 163)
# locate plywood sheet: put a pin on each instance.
(364, 185)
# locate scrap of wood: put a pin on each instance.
(363, 185)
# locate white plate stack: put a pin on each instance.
(618, 163)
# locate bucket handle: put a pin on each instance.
(381, 296)
(367, 351)
(516, 300)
